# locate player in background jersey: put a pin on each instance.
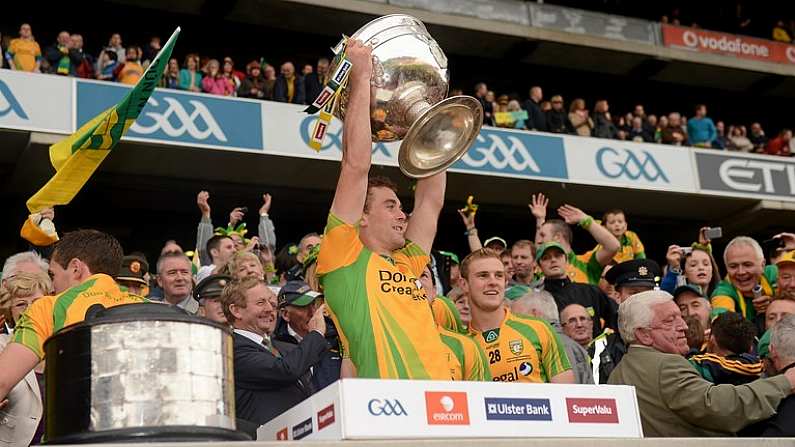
(519, 348)
(82, 269)
(372, 254)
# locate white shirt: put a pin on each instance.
(204, 272)
(294, 334)
(256, 338)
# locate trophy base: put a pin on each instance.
(440, 136)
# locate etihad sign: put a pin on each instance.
(589, 410)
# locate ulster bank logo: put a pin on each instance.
(9, 103)
(623, 163)
(175, 120)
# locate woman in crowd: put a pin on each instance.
(230, 76)
(22, 422)
(215, 83)
(190, 78)
(254, 84)
(578, 115)
(170, 78)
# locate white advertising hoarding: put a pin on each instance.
(403, 409)
(37, 102)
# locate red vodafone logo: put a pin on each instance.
(447, 408)
(589, 410)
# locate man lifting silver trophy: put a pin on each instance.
(410, 81)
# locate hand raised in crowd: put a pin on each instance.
(761, 303)
(236, 216)
(266, 204)
(48, 213)
(702, 236)
(361, 56)
(468, 219)
(674, 256)
(788, 238)
(538, 206)
(572, 215)
(202, 201)
(318, 322)
(252, 243)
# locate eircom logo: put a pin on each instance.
(446, 408)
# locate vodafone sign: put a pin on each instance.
(741, 47)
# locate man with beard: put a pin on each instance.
(673, 399)
(373, 254)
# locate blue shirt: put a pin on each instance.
(701, 130)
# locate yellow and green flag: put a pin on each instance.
(76, 157)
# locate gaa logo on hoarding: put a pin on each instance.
(9, 103)
(332, 139)
(386, 407)
(500, 151)
(614, 163)
(175, 121)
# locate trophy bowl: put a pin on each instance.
(408, 98)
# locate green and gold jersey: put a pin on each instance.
(523, 349)
(584, 268)
(49, 314)
(446, 314)
(379, 306)
(466, 357)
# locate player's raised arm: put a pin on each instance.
(356, 138)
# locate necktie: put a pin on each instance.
(266, 341)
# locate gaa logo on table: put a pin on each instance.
(386, 407)
(447, 408)
(586, 410)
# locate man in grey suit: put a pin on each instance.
(674, 400)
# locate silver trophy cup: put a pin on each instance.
(408, 99)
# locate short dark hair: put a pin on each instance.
(562, 228)
(694, 332)
(215, 242)
(612, 212)
(733, 332)
(100, 251)
(378, 182)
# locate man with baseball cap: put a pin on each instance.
(628, 278)
(786, 275)
(692, 302)
(554, 263)
(297, 303)
(133, 275)
(208, 294)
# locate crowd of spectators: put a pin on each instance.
(260, 80)
(308, 313)
(675, 128)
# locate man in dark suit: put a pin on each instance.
(270, 377)
(315, 82)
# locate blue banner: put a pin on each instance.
(173, 116)
(514, 153)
